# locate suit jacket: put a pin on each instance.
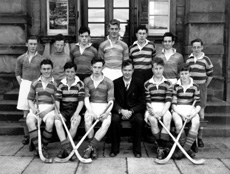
(132, 99)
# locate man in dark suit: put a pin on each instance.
(129, 105)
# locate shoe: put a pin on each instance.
(45, 152)
(88, 152)
(137, 155)
(194, 147)
(36, 153)
(191, 153)
(26, 140)
(94, 153)
(73, 158)
(200, 142)
(31, 146)
(178, 155)
(166, 151)
(160, 153)
(61, 154)
(112, 154)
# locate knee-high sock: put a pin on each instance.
(182, 139)
(190, 140)
(200, 132)
(34, 138)
(164, 138)
(65, 144)
(46, 138)
(94, 142)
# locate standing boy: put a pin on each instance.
(82, 53)
(158, 91)
(172, 59)
(99, 92)
(129, 105)
(201, 72)
(185, 92)
(41, 92)
(27, 69)
(70, 100)
(113, 51)
(142, 52)
(59, 58)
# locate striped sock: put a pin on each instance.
(190, 140)
(34, 138)
(46, 137)
(65, 144)
(164, 138)
(182, 138)
(94, 142)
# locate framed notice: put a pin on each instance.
(57, 17)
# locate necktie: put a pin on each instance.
(127, 86)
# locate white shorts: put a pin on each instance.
(157, 107)
(98, 109)
(43, 107)
(112, 74)
(23, 94)
(185, 109)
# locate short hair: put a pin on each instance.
(84, 29)
(169, 34)
(32, 38)
(141, 27)
(184, 67)
(46, 62)
(127, 63)
(59, 37)
(158, 61)
(96, 60)
(197, 40)
(70, 65)
(114, 22)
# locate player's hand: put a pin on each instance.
(75, 120)
(151, 112)
(104, 116)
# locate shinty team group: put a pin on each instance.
(142, 86)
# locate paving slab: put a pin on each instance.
(150, 149)
(13, 165)
(147, 166)
(126, 150)
(10, 145)
(226, 162)
(211, 166)
(104, 166)
(38, 167)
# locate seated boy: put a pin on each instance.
(99, 92)
(44, 87)
(158, 91)
(185, 92)
(70, 100)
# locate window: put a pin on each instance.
(159, 17)
(57, 17)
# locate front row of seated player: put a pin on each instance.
(131, 101)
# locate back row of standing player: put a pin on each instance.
(113, 51)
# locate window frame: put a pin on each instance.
(171, 23)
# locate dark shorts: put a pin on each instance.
(67, 114)
(203, 95)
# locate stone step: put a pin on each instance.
(10, 115)
(11, 95)
(8, 105)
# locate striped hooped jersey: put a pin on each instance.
(201, 68)
(142, 56)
